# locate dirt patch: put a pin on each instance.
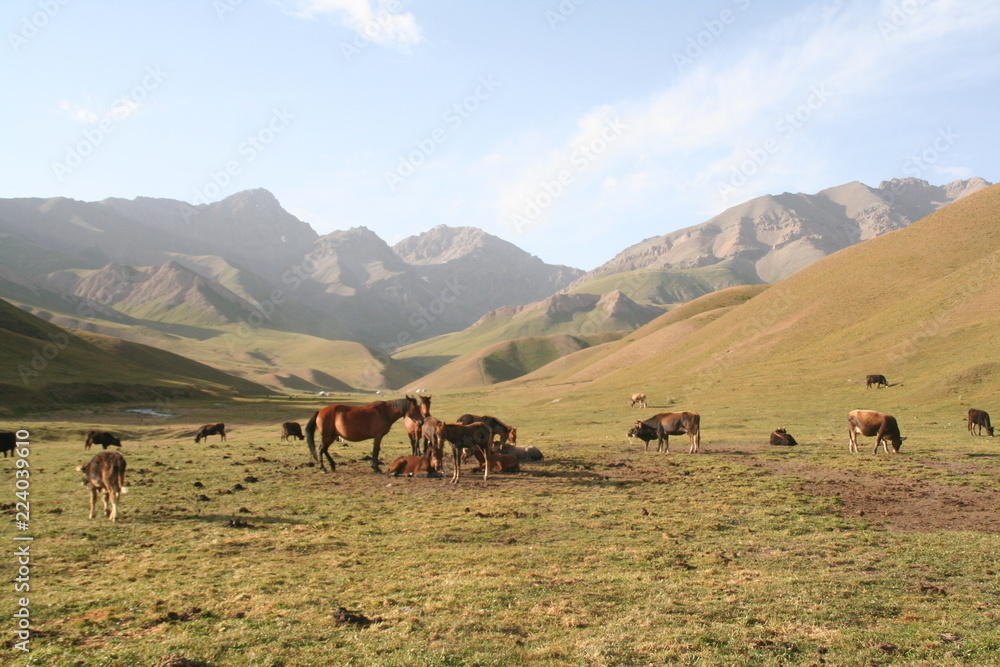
(898, 504)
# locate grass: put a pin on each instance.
(599, 555)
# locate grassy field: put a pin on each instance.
(240, 553)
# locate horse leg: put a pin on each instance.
(376, 447)
(457, 455)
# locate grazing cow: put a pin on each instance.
(105, 475)
(8, 442)
(211, 429)
(660, 427)
(877, 380)
(522, 453)
(638, 399)
(879, 424)
(476, 436)
(103, 438)
(977, 418)
(782, 437)
(410, 465)
(292, 430)
(508, 434)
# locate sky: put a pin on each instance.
(571, 128)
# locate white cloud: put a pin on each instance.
(379, 21)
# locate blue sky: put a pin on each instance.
(572, 128)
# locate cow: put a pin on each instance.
(292, 430)
(476, 436)
(429, 462)
(877, 380)
(105, 475)
(782, 437)
(211, 429)
(8, 442)
(873, 423)
(977, 418)
(103, 438)
(508, 434)
(638, 399)
(660, 427)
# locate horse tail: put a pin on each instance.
(311, 436)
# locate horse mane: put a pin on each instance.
(400, 404)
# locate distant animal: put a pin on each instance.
(782, 437)
(410, 465)
(103, 438)
(660, 427)
(526, 453)
(414, 427)
(356, 423)
(877, 380)
(292, 430)
(638, 399)
(507, 434)
(476, 436)
(977, 419)
(8, 442)
(211, 429)
(105, 476)
(873, 423)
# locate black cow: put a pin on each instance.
(103, 438)
(980, 419)
(660, 427)
(292, 430)
(8, 442)
(211, 429)
(782, 437)
(877, 380)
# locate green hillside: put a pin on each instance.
(666, 287)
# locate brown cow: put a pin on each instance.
(660, 427)
(782, 437)
(638, 399)
(292, 430)
(211, 429)
(105, 475)
(103, 438)
(476, 436)
(877, 380)
(872, 423)
(980, 419)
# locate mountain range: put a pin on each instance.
(245, 286)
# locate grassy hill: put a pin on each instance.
(42, 363)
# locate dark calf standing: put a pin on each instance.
(105, 475)
(292, 430)
(660, 427)
(877, 380)
(103, 438)
(979, 419)
(8, 442)
(211, 429)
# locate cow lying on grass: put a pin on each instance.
(782, 437)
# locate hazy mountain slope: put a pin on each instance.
(920, 305)
(780, 234)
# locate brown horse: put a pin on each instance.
(414, 427)
(356, 423)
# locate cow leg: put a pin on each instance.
(93, 500)
(113, 498)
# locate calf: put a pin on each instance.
(103, 438)
(872, 423)
(977, 418)
(782, 437)
(660, 427)
(211, 429)
(105, 475)
(292, 430)
(8, 442)
(877, 380)
(476, 436)
(638, 399)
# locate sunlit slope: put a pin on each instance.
(920, 305)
